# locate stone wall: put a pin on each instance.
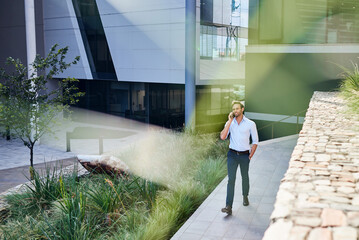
(318, 197)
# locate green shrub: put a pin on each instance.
(211, 172)
(72, 221)
(45, 189)
(23, 228)
(219, 148)
(167, 157)
(131, 226)
(147, 189)
(21, 205)
(350, 88)
(104, 207)
(174, 207)
(102, 198)
(41, 192)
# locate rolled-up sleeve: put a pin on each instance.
(254, 134)
(228, 129)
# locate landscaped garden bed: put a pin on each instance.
(170, 176)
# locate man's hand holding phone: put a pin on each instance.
(231, 116)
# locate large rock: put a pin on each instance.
(103, 164)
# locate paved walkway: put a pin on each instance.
(247, 223)
(12, 177)
(13, 153)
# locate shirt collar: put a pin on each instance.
(243, 119)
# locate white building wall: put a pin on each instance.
(198, 44)
(221, 70)
(61, 27)
(146, 39)
(222, 12)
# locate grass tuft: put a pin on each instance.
(349, 88)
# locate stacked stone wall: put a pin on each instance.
(319, 196)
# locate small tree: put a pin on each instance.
(4, 116)
(30, 110)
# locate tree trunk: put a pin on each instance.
(8, 133)
(31, 161)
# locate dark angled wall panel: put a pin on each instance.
(206, 11)
(12, 30)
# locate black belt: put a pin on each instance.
(239, 152)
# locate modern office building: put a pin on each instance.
(272, 53)
(132, 53)
(294, 46)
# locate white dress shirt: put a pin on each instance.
(239, 134)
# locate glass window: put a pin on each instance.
(214, 100)
(307, 22)
(167, 105)
(343, 21)
(225, 12)
(270, 21)
(225, 39)
(222, 43)
(214, 104)
(94, 38)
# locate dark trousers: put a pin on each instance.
(233, 159)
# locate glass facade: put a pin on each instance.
(159, 104)
(221, 38)
(167, 105)
(94, 39)
(217, 99)
(223, 29)
(222, 43)
(214, 104)
(117, 98)
(342, 21)
(305, 22)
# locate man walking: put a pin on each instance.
(239, 128)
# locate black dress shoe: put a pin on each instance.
(245, 201)
(227, 210)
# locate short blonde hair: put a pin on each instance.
(237, 102)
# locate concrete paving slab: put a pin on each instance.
(15, 154)
(266, 169)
